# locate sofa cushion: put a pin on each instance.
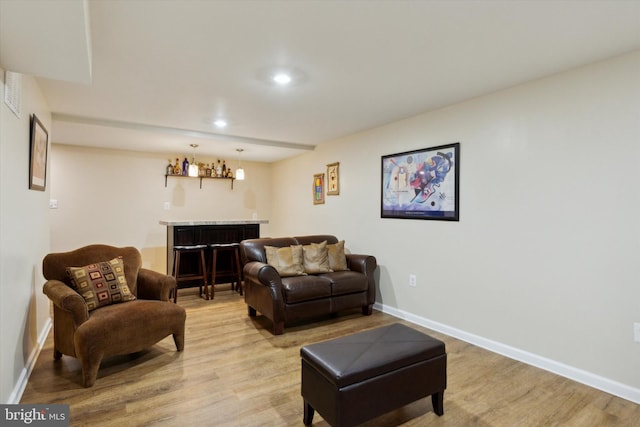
(315, 258)
(253, 249)
(286, 260)
(346, 282)
(102, 283)
(337, 257)
(305, 288)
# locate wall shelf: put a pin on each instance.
(197, 177)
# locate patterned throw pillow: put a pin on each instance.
(316, 258)
(101, 284)
(337, 257)
(287, 260)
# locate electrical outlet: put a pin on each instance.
(167, 206)
(412, 280)
(53, 204)
(636, 331)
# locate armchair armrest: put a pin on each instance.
(67, 299)
(154, 285)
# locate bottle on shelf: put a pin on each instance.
(219, 169)
(169, 170)
(208, 170)
(224, 168)
(185, 167)
(176, 169)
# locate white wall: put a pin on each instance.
(544, 260)
(117, 197)
(24, 240)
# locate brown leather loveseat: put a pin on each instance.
(295, 294)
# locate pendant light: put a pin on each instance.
(239, 171)
(193, 167)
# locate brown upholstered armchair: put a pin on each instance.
(113, 329)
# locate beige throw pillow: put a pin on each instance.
(286, 260)
(337, 257)
(316, 258)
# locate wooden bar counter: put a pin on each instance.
(208, 232)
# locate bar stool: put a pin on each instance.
(202, 270)
(234, 266)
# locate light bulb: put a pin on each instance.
(282, 79)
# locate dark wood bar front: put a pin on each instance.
(187, 233)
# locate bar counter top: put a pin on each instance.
(215, 222)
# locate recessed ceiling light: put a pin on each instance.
(220, 123)
(282, 79)
(281, 75)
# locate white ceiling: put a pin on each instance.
(163, 70)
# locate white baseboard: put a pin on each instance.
(21, 384)
(601, 383)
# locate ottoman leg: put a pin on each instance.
(308, 414)
(437, 399)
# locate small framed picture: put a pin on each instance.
(318, 189)
(38, 161)
(333, 179)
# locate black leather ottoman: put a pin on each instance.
(355, 378)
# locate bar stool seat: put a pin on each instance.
(234, 266)
(202, 269)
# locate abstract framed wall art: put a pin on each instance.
(318, 189)
(422, 184)
(333, 179)
(38, 161)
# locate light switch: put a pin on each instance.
(53, 204)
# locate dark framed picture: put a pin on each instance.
(422, 184)
(38, 161)
(318, 189)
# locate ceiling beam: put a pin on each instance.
(69, 118)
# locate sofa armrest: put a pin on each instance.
(67, 299)
(365, 264)
(264, 274)
(154, 286)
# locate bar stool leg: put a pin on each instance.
(176, 272)
(236, 252)
(203, 268)
(214, 268)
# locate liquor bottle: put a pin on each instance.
(224, 168)
(176, 168)
(185, 167)
(201, 171)
(219, 168)
(169, 170)
(208, 170)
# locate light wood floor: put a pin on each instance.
(233, 372)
